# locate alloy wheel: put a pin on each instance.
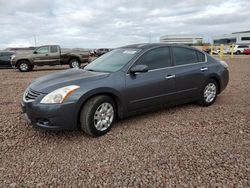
(210, 92)
(24, 66)
(103, 116)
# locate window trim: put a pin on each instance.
(172, 59)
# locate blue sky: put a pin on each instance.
(94, 24)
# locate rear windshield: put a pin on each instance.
(112, 61)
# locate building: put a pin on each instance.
(234, 38)
(182, 39)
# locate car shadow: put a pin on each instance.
(6, 68)
(119, 122)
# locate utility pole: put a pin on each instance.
(150, 36)
(35, 40)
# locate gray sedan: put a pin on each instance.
(121, 83)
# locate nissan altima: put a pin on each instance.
(121, 83)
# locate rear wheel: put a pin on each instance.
(238, 52)
(74, 63)
(97, 115)
(24, 66)
(209, 93)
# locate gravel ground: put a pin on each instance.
(184, 146)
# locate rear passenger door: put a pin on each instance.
(190, 68)
(154, 87)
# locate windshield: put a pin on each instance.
(112, 61)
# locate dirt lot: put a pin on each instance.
(181, 146)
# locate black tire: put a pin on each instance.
(74, 63)
(238, 52)
(203, 101)
(31, 67)
(88, 112)
(24, 66)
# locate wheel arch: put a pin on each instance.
(216, 78)
(74, 57)
(108, 92)
(23, 59)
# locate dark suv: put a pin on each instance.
(121, 83)
(5, 58)
(101, 51)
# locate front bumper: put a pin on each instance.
(50, 117)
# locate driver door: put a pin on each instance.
(154, 87)
(41, 56)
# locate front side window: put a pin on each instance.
(245, 38)
(156, 58)
(183, 56)
(43, 50)
(200, 56)
(112, 61)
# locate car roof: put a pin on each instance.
(153, 45)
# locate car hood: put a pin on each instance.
(49, 83)
(24, 54)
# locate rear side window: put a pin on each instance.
(53, 49)
(243, 47)
(183, 56)
(200, 56)
(156, 58)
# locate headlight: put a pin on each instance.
(59, 95)
(12, 57)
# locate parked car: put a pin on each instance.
(92, 52)
(5, 57)
(224, 51)
(121, 83)
(101, 51)
(208, 50)
(238, 49)
(49, 55)
(246, 51)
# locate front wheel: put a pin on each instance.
(238, 52)
(209, 93)
(98, 115)
(24, 66)
(74, 63)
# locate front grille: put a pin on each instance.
(30, 95)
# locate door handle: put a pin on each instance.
(170, 76)
(203, 68)
(46, 54)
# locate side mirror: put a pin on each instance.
(35, 52)
(139, 68)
